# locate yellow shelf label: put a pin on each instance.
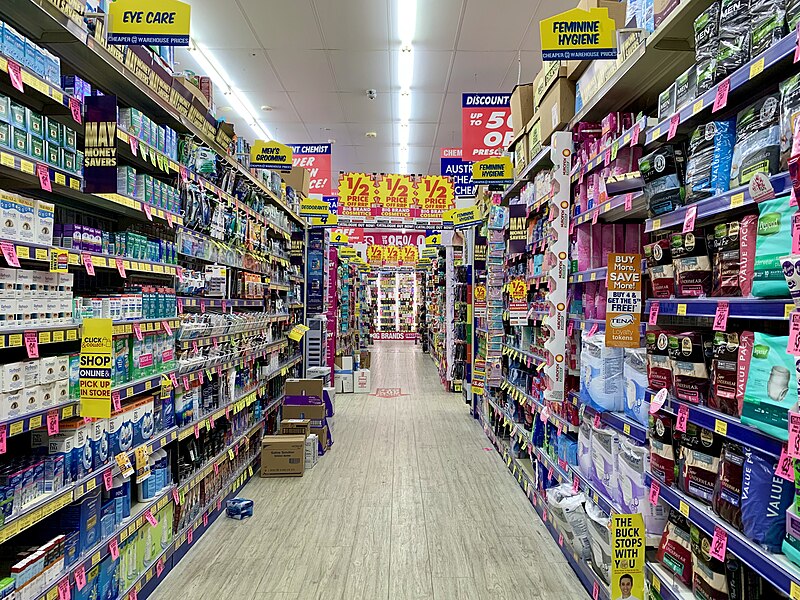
(15, 428)
(681, 310)
(58, 336)
(737, 200)
(42, 254)
(656, 224)
(67, 411)
(15, 340)
(794, 591)
(23, 252)
(35, 422)
(698, 106)
(60, 179)
(626, 428)
(44, 337)
(787, 310)
(684, 508)
(721, 427)
(72, 334)
(757, 67)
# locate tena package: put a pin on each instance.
(744, 583)
(585, 446)
(706, 33)
(566, 508)
(708, 574)
(790, 108)
(766, 24)
(698, 461)
(708, 168)
(686, 86)
(597, 524)
(659, 371)
(659, 267)
(602, 384)
(765, 500)
(692, 265)
(690, 353)
(730, 365)
(675, 549)
(771, 385)
(733, 249)
(635, 371)
(662, 171)
(772, 240)
(758, 140)
(734, 36)
(792, 13)
(605, 446)
(633, 462)
(727, 499)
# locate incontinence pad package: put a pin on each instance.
(708, 574)
(698, 461)
(729, 369)
(728, 489)
(773, 240)
(733, 249)
(734, 36)
(585, 447)
(566, 509)
(599, 540)
(790, 108)
(708, 168)
(690, 354)
(792, 13)
(766, 24)
(663, 172)
(605, 447)
(602, 384)
(635, 371)
(675, 549)
(659, 267)
(758, 140)
(659, 371)
(633, 462)
(765, 499)
(771, 385)
(706, 33)
(692, 265)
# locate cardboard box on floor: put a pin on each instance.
(344, 383)
(303, 391)
(283, 455)
(295, 427)
(313, 412)
(324, 438)
(343, 364)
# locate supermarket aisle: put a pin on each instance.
(408, 504)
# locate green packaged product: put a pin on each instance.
(773, 239)
(758, 140)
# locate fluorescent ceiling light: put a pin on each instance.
(403, 154)
(403, 168)
(406, 20)
(403, 135)
(405, 106)
(405, 67)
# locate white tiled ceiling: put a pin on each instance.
(312, 61)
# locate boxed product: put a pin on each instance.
(344, 383)
(282, 455)
(557, 107)
(304, 391)
(362, 381)
(521, 106)
(295, 427)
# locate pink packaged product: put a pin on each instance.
(659, 267)
(659, 364)
(607, 243)
(593, 190)
(600, 302)
(634, 238)
(589, 310)
(583, 246)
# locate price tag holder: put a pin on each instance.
(721, 316)
(653, 318)
(721, 97)
(31, 339)
(683, 418)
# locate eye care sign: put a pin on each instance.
(145, 22)
(627, 557)
(578, 34)
(624, 300)
(485, 125)
(95, 368)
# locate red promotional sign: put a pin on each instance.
(393, 238)
(485, 125)
(355, 235)
(316, 159)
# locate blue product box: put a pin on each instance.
(142, 421)
(99, 441)
(13, 44)
(34, 58)
(108, 519)
(84, 515)
(52, 68)
(81, 446)
(72, 544)
(167, 413)
(120, 432)
(89, 592)
(107, 583)
(75, 86)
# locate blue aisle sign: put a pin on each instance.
(460, 170)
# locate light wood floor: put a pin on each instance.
(410, 503)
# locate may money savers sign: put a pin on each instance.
(95, 368)
(624, 300)
(485, 125)
(578, 34)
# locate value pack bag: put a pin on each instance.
(730, 366)
(765, 499)
(771, 385)
(733, 249)
(774, 237)
(708, 169)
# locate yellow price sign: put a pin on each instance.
(517, 289)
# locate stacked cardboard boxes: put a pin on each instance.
(305, 399)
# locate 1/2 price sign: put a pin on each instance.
(485, 125)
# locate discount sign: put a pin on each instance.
(485, 125)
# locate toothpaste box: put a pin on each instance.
(142, 420)
(120, 431)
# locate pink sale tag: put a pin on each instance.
(180, 302)
(635, 135)
(15, 74)
(216, 469)
(159, 568)
(607, 156)
(134, 145)
(195, 349)
(184, 173)
(595, 214)
(133, 594)
(87, 262)
(32, 344)
(719, 544)
(63, 589)
(169, 220)
(598, 423)
(793, 347)
(167, 328)
(150, 518)
(202, 306)
(796, 233)
(594, 329)
(674, 121)
(43, 173)
(628, 201)
(137, 330)
(75, 109)
(196, 430)
(116, 402)
(576, 484)
(785, 466)
(570, 328)
(655, 492)
(148, 211)
(3, 434)
(121, 267)
(173, 379)
(721, 99)
(205, 519)
(186, 383)
(721, 316)
(595, 591)
(794, 435)
(10, 254)
(689, 218)
(657, 401)
(653, 318)
(108, 479)
(190, 535)
(52, 422)
(113, 549)
(683, 418)
(560, 539)
(797, 44)
(544, 515)
(176, 497)
(80, 577)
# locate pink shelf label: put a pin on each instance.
(15, 74)
(719, 544)
(721, 316)
(721, 98)
(655, 492)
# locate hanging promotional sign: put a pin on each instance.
(391, 256)
(518, 304)
(100, 145)
(485, 125)
(95, 368)
(148, 22)
(578, 34)
(395, 195)
(429, 253)
(394, 238)
(332, 218)
(375, 254)
(409, 255)
(435, 196)
(347, 252)
(356, 194)
(271, 155)
(355, 235)
(461, 218)
(460, 171)
(312, 207)
(433, 239)
(480, 301)
(316, 159)
(624, 300)
(627, 556)
(497, 170)
(517, 228)
(338, 238)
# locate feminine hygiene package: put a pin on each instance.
(636, 405)
(699, 461)
(774, 238)
(675, 549)
(663, 171)
(602, 382)
(758, 140)
(709, 166)
(565, 507)
(771, 385)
